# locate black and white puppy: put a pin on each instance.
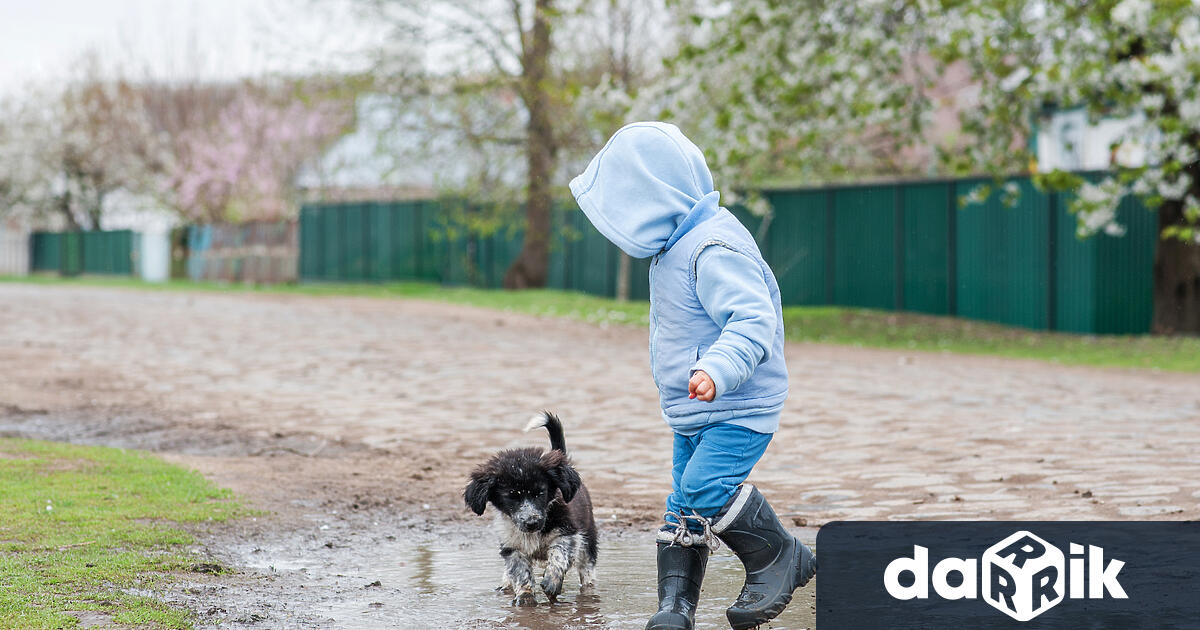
(543, 512)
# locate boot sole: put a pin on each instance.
(808, 565)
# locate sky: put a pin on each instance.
(42, 41)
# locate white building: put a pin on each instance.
(1066, 140)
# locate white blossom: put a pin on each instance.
(1189, 112)
(1175, 189)
(810, 91)
(1095, 207)
(1132, 12)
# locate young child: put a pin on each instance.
(716, 354)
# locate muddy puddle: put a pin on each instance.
(328, 553)
(343, 577)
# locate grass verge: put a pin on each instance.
(89, 528)
(822, 324)
(910, 331)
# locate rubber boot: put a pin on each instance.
(776, 562)
(680, 573)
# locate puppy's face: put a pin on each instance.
(522, 484)
(524, 501)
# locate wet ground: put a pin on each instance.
(348, 413)
(315, 562)
(355, 576)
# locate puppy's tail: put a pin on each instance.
(553, 426)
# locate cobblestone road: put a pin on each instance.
(866, 434)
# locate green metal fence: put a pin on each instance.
(71, 253)
(912, 247)
(898, 246)
(412, 240)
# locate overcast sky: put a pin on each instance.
(42, 40)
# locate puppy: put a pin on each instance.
(543, 512)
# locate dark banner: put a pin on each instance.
(1010, 575)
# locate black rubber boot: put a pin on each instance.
(680, 573)
(776, 562)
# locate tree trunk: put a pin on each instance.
(531, 266)
(1176, 278)
(624, 263)
(63, 203)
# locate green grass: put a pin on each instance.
(822, 324)
(84, 528)
(535, 302)
(881, 329)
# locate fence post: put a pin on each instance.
(418, 236)
(568, 263)
(1052, 262)
(898, 244)
(344, 252)
(393, 227)
(318, 268)
(490, 260)
(365, 213)
(830, 246)
(951, 248)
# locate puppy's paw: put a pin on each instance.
(551, 586)
(525, 599)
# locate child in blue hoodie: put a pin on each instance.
(716, 354)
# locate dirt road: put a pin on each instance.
(388, 401)
(354, 422)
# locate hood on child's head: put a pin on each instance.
(643, 184)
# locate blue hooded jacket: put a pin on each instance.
(714, 303)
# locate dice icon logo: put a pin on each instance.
(1023, 576)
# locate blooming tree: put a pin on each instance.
(66, 151)
(208, 152)
(17, 176)
(1133, 59)
(826, 89)
(808, 90)
(241, 164)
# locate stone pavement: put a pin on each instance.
(866, 434)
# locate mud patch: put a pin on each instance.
(93, 619)
(280, 471)
(359, 537)
(133, 429)
(358, 573)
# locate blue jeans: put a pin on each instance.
(710, 465)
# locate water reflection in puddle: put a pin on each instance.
(451, 584)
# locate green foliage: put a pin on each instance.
(815, 91)
(1131, 60)
(458, 216)
(806, 91)
(85, 525)
(1057, 180)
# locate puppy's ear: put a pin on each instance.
(476, 493)
(562, 474)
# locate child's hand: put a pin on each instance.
(701, 386)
